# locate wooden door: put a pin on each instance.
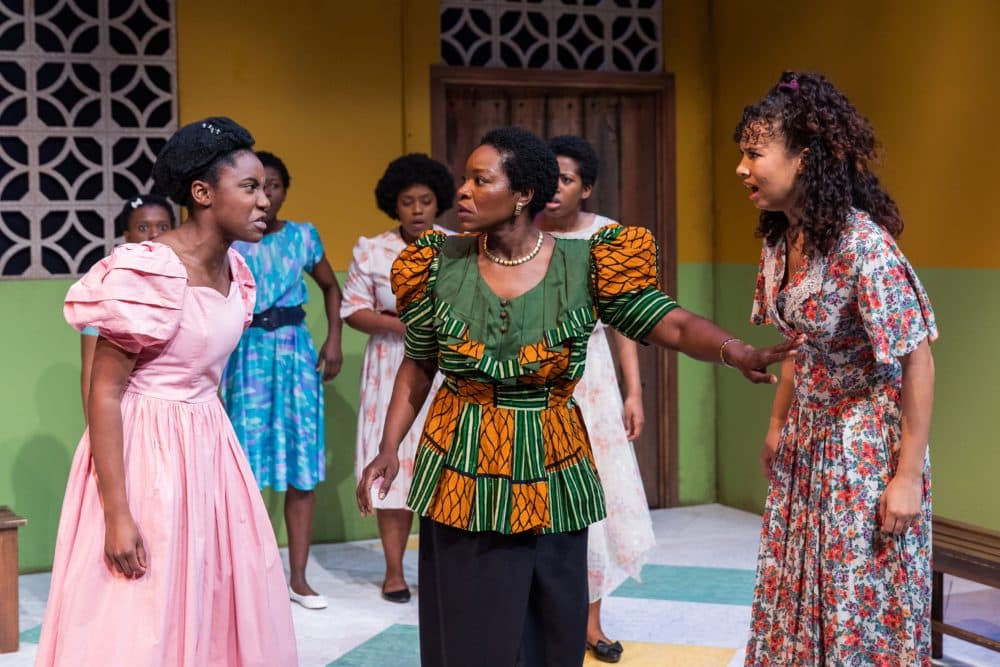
(629, 120)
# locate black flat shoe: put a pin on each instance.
(606, 652)
(400, 596)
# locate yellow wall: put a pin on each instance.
(924, 71)
(687, 54)
(331, 87)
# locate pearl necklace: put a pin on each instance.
(511, 262)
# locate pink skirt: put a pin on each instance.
(214, 592)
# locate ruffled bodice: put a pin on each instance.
(504, 447)
(139, 299)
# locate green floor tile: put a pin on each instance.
(397, 645)
(31, 635)
(691, 584)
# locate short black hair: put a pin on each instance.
(274, 162)
(196, 152)
(134, 204)
(414, 169)
(580, 150)
(528, 163)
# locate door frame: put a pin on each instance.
(661, 86)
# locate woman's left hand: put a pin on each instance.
(899, 506)
(331, 358)
(634, 417)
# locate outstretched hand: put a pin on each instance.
(385, 466)
(753, 361)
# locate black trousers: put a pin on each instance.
(493, 600)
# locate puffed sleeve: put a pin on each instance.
(759, 313)
(246, 283)
(624, 280)
(133, 297)
(359, 288)
(893, 304)
(313, 245)
(413, 276)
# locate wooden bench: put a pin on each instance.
(965, 551)
(9, 634)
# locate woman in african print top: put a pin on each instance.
(844, 570)
(505, 481)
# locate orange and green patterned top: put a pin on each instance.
(504, 448)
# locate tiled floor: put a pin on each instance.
(692, 609)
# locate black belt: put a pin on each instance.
(276, 317)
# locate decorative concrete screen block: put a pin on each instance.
(596, 35)
(87, 99)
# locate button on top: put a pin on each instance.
(503, 314)
(504, 302)
(503, 329)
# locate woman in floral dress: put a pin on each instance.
(414, 190)
(844, 571)
(504, 478)
(616, 546)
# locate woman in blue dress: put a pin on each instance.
(273, 383)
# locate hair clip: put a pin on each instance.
(136, 203)
(211, 128)
(791, 86)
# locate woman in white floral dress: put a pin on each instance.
(616, 546)
(414, 190)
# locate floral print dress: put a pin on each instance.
(832, 589)
(617, 547)
(367, 288)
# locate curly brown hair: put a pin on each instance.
(808, 112)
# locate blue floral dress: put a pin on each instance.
(832, 589)
(271, 389)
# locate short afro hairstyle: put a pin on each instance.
(195, 153)
(414, 169)
(134, 204)
(580, 150)
(528, 163)
(274, 162)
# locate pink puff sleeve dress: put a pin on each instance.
(214, 592)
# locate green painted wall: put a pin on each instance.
(43, 421)
(964, 453)
(696, 428)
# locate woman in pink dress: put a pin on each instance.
(165, 554)
(414, 190)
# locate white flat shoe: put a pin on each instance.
(308, 601)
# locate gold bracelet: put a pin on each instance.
(722, 351)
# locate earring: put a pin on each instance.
(518, 207)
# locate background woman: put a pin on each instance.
(273, 383)
(414, 190)
(141, 219)
(165, 555)
(616, 546)
(844, 571)
(504, 478)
